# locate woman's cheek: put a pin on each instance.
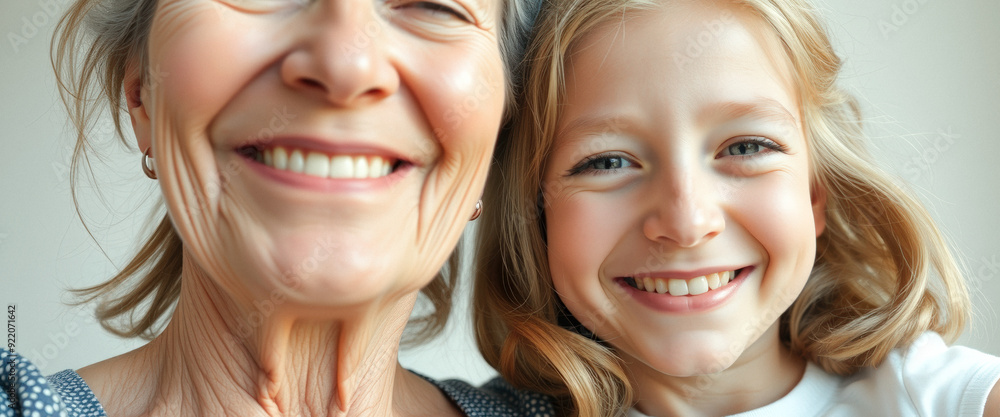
(461, 97)
(201, 55)
(464, 95)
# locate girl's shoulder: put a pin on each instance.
(26, 392)
(931, 378)
(927, 378)
(496, 398)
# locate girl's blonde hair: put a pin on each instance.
(883, 273)
(96, 44)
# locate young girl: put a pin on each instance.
(687, 223)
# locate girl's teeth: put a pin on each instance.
(714, 281)
(661, 287)
(375, 168)
(698, 286)
(296, 162)
(679, 287)
(361, 167)
(280, 158)
(318, 164)
(341, 166)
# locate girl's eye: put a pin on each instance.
(750, 146)
(743, 148)
(436, 10)
(599, 163)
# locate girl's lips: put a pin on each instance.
(681, 304)
(680, 286)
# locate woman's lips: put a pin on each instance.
(324, 165)
(356, 169)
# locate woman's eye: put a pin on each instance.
(601, 163)
(436, 10)
(264, 6)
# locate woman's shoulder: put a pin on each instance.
(27, 392)
(496, 398)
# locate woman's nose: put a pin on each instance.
(342, 54)
(684, 211)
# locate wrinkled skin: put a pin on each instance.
(302, 285)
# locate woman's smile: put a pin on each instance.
(320, 165)
(365, 151)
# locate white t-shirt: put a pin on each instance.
(927, 379)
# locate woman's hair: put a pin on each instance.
(883, 273)
(95, 44)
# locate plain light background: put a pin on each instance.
(927, 72)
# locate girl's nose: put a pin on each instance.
(685, 211)
(342, 54)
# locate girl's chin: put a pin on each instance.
(686, 359)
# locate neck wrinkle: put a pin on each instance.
(211, 363)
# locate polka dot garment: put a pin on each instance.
(496, 398)
(27, 393)
(65, 394)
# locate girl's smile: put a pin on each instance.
(681, 219)
(670, 292)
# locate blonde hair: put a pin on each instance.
(95, 45)
(873, 287)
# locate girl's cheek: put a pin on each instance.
(778, 215)
(583, 230)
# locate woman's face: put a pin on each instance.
(680, 221)
(325, 151)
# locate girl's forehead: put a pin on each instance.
(707, 52)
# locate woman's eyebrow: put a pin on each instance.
(763, 108)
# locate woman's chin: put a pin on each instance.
(334, 281)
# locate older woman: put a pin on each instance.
(318, 160)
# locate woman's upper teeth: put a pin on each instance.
(678, 287)
(318, 164)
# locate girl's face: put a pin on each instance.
(322, 152)
(680, 220)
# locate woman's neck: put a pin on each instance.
(220, 357)
(763, 374)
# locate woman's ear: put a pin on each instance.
(135, 97)
(818, 193)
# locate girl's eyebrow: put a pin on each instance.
(763, 108)
(602, 123)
